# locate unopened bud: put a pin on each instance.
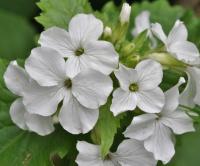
(125, 13)
(107, 32)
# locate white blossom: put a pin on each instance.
(81, 46)
(139, 87)
(129, 153)
(18, 81)
(125, 13)
(156, 130)
(82, 95)
(176, 43)
(142, 23)
(191, 94)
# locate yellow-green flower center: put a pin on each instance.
(133, 87)
(79, 51)
(68, 83)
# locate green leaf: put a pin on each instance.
(59, 12)
(160, 11)
(18, 147)
(106, 128)
(17, 36)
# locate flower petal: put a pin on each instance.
(179, 122)
(185, 51)
(141, 127)
(89, 154)
(158, 32)
(178, 33)
(16, 79)
(132, 151)
(172, 97)
(126, 76)
(58, 39)
(85, 27)
(161, 143)
(150, 74)
(17, 112)
(39, 124)
(75, 118)
(91, 88)
(196, 74)
(142, 22)
(75, 65)
(123, 101)
(188, 94)
(43, 100)
(151, 101)
(46, 66)
(101, 56)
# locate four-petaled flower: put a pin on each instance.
(81, 46)
(130, 152)
(139, 87)
(156, 130)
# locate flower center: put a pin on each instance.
(107, 157)
(68, 83)
(79, 51)
(133, 87)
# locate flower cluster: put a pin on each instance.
(73, 72)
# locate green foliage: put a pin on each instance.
(106, 128)
(23, 148)
(59, 13)
(16, 36)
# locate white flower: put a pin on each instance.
(81, 45)
(142, 23)
(191, 94)
(139, 87)
(176, 43)
(129, 153)
(156, 130)
(18, 81)
(82, 95)
(125, 13)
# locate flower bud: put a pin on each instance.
(125, 13)
(107, 31)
